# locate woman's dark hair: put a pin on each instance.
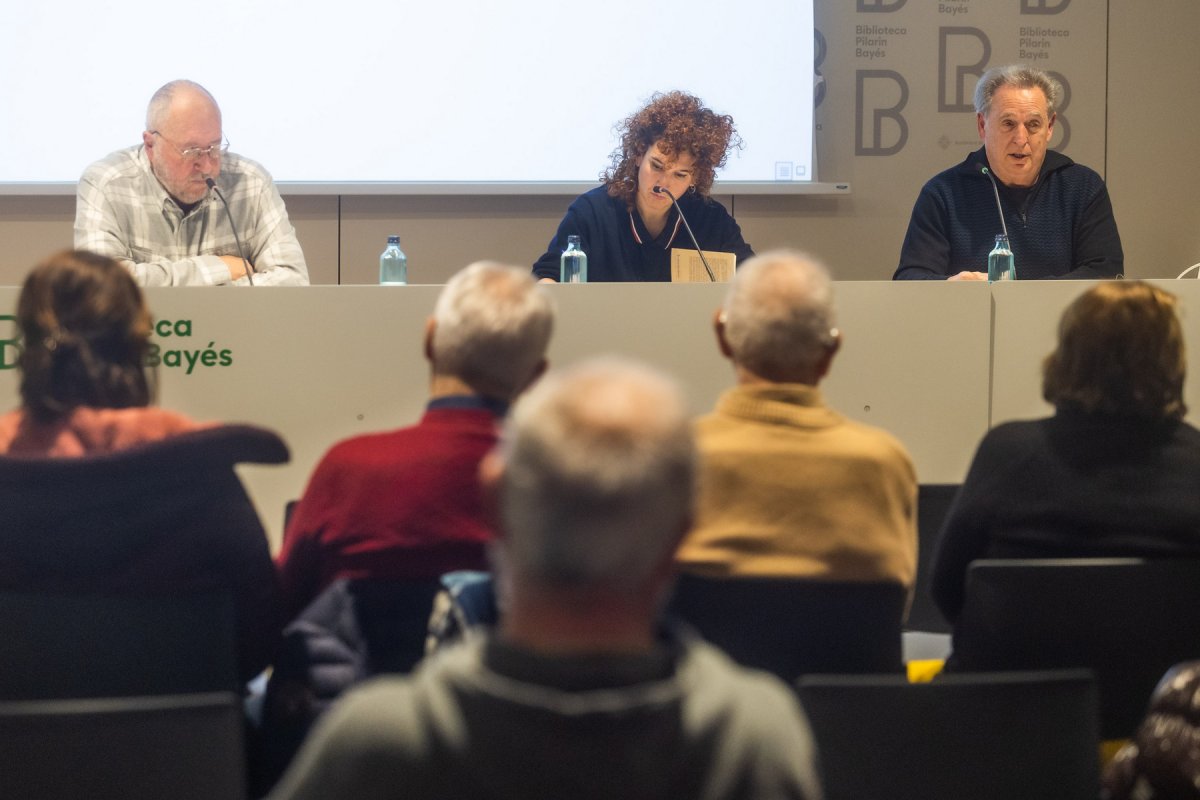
(85, 334)
(1120, 351)
(678, 123)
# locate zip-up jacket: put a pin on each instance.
(1061, 227)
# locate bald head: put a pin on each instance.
(179, 97)
(181, 120)
(778, 320)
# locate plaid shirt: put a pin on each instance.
(123, 212)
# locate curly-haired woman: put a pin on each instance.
(626, 227)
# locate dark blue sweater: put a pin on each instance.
(606, 229)
(1074, 485)
(1062, 227)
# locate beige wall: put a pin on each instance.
(1145, 152)
(1153, 162)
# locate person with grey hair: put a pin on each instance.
(789, 487)
(152, 206)
(406, 504)
(1057, 214)
(599, 480)
(582, 691)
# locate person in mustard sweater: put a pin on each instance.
(789, 487)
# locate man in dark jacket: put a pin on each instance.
(1057, 213)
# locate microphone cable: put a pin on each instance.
(662, 190)
(241, 250)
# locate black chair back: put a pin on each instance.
(1128, 620)
(393, 618)
(933, 502)
(164, 518)
(792, 627)
(353, 630)
(89, 645)
(184, 747)
(997, 736)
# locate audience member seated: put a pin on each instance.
(1111, 473)
(86, 334)
(185, 523)
(581, 692)
(1162, 762)
(789, 487)
(406, 504)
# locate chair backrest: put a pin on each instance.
(186, 747)
(168, 517)
(72, 646)
(353, 630)
(792, 627)
(1128, 620)
(393, 618)
(987, 736)
(289, 508)
(933, 502)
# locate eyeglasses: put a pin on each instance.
(214, 151)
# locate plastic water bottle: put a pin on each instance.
(1000, 261)
(573, 265)
(393, 264)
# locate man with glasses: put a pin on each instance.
(150, 206)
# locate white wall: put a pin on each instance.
(1149, 65)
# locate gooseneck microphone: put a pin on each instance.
(695, 244)
(996, 191)
(241, 250)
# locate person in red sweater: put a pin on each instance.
(406, 504)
